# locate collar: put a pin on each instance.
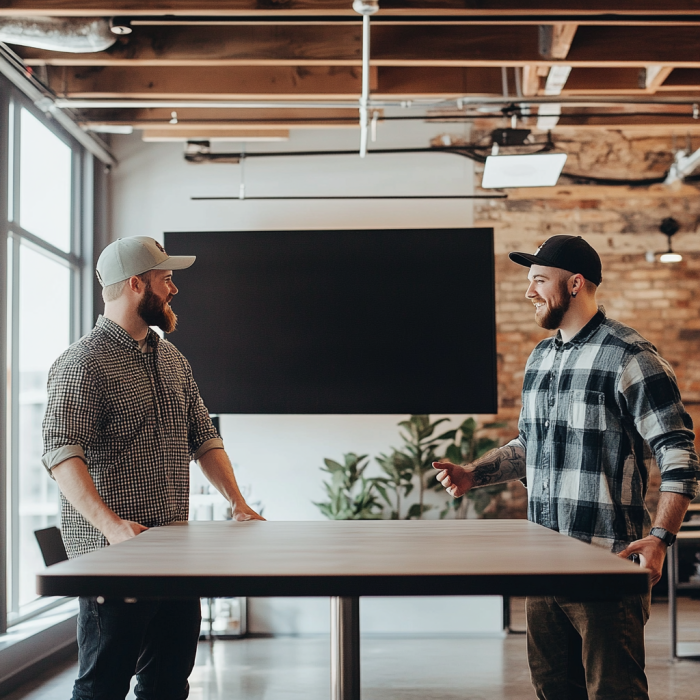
(117, 333)
(585, 333)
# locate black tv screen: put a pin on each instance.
(367, 321)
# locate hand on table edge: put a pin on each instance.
(241, 511)
(652, 553)
(217, 468)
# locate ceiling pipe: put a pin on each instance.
(365, 8)
(68, 34)
(454, 103)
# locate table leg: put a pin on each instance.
(345, 648)
(672, 575)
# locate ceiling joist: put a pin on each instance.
(555, 8)
(434, 45)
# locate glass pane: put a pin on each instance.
(44, 183)
(44, 333)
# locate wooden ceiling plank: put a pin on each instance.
(253, 82)
(436, 45)
(342, 7)
(219, 45)
(164, 134)
(406, 82)
(604, 79)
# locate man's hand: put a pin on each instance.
(457, 480)
(652, 552)
(123, 530)
(242, 511)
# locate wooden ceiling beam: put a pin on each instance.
(405, 45)
(342, 7)
(309, 82)
(251, 82)
(268, 119)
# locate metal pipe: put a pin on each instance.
(337, 197)
(364, 100)
(598, 101)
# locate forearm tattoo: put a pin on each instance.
(503, 464)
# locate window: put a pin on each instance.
(42, 277)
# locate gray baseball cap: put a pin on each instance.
(127, 257)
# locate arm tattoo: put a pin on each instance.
(506, 463)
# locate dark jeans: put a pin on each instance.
(157, 640)
(587, 651)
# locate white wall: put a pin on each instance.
(278, 458)
(152, 185)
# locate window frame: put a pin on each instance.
(79, 262)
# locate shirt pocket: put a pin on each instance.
(174, 401)
(587, 410)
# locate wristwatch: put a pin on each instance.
(668, 538)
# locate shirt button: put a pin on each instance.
(546, 424)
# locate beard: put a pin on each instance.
(552, 316)
(156, 311)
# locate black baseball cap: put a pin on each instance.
(570, 253)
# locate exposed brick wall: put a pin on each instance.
(660, 301)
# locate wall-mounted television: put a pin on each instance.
(342, 321)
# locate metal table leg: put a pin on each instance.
(672, 574)
(345, 648)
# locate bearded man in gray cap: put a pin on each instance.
(124, 419)
(597, 402)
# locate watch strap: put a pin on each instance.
(668, 538)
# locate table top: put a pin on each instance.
(346, 558)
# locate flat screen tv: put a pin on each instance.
(349, 321)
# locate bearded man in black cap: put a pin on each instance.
(598, 402)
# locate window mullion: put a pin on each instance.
(14, 429)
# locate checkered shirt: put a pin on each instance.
(135, 418)
(595, 410)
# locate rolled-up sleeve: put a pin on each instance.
(72, 413)
(651, 396)
(202, 435)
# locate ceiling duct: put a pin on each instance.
(69, 34)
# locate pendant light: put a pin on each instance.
(669, 227)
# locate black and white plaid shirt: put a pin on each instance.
(136, 419)
(594, 411)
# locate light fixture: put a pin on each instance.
(669, 227)
(365, 7)
(110, 128)
(120, 25)
(173, 118)
(524, 170)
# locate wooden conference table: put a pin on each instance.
(345, 560)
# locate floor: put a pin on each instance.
(414, 668)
